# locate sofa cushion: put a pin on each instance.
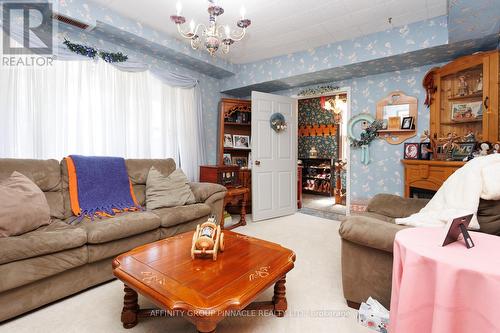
(46, 174)
(23, 206)
(395, 206)
(167, 191)
(22, 272)
(123, 225)
(55, 237)
(111, 249)
(370, 232)
(488, 215)
(138, 170)
(182, 214)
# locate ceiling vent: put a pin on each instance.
(74, 23)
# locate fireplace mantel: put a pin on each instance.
(427, 175)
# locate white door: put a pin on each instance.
(274, 155)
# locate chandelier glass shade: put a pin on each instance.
(213, 36)
(337, 106)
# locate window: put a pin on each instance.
(92, 108)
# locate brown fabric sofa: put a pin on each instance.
(59, 259)
(367, 244)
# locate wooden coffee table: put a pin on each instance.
(202, 290)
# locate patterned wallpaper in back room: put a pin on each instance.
(384, 174)
(311, 113)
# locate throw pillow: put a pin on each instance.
(23, 205)
(171, 191)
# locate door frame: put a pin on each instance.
(345, 140)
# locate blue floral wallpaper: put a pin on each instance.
(472, 19)
(385, 171)
(311, 113)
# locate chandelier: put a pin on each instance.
(337, 106)
(215, 36)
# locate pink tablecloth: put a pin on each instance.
(445, 289)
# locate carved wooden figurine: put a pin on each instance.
(207, 240)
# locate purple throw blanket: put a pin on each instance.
(103, 185)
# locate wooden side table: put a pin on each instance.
(233, 196)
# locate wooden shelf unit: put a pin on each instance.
(310, 169)
(430, 175)
(447, 81)
(228, 107)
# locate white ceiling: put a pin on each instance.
(285, 26)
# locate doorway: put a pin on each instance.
(323, 152)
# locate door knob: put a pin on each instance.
(257, 162)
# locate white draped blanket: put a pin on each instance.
(460, 194)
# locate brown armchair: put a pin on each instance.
(367, 243)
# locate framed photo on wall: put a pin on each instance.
(241, 141)
(411, 151)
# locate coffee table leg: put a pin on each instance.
(279, 299)
(130, 308)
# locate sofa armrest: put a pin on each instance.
(370, 232)
(204, 191)
(395, 206)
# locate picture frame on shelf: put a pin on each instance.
(228, 141)
(242, 162)
(411, 151)
(407, 123)
(227, 159)
(464, 150)
(463, 112)
(425, 151)
(241, 141)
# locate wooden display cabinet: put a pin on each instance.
(466, 97)
(235, 117)
(480, 72)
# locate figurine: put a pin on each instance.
(313, 153)
(463, 87)
(479, 86)
(496, 148)
(470, 137)
(450, 144)
(484, 148)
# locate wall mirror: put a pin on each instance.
(399, 113)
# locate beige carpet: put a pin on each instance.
(314, 292)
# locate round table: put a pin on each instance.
(444, 289)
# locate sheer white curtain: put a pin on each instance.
(92, 108)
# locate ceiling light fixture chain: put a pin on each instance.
(216, 36)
